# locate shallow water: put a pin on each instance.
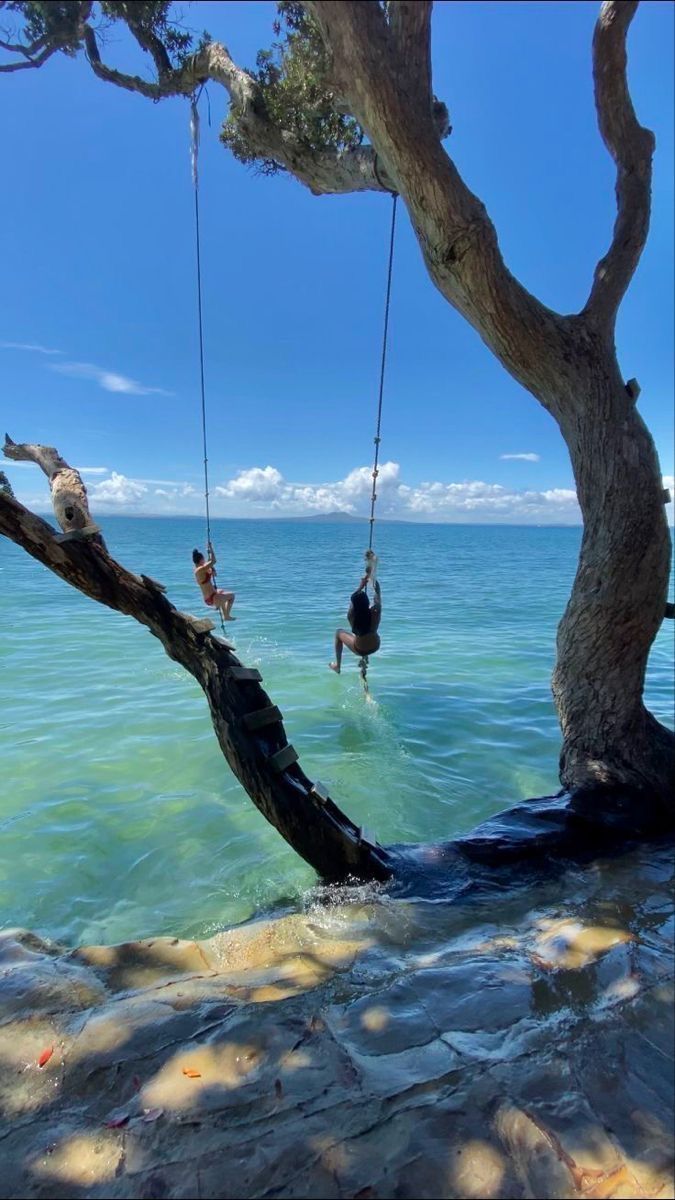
(119, 817)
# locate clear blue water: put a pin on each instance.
(119, 817)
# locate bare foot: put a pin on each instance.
(334, 667)
(229, 618)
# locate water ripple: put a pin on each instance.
(121, 818)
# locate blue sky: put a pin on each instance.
(96, 217)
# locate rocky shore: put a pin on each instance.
(517, 1045)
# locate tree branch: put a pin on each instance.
(410, 24)
(248, 727)
(631, 146)
(457, 239)
(323, 172)
(27, 51)
(38, 52)
(26, 64)
(69, 495)
(149, 42)
(175, 83)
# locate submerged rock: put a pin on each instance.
(517, 1046)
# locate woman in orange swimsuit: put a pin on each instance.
(364, 619)
(205, 575)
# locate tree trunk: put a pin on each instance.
(619, 594)
(568, 363)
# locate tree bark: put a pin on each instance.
(249, 729)
(69, 495)
(618, 598)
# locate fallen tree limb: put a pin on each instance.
(249, 728)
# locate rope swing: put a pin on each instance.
(370, 555)
(194, 156)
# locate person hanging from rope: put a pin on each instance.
(363, 616)
(205, 575)
(364, 619)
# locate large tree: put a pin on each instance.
(344, 101)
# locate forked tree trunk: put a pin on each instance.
(618, 599)
(567, 362)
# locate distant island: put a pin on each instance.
(336, 518)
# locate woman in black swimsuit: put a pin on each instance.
(364, 619)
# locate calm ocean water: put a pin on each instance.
(119, 816)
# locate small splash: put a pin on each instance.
(333, 900)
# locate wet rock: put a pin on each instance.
(36, 983)
(435, 1053)
(143, 964)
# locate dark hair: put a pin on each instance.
(360, 614)
(197, 557)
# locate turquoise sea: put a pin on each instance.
(119, 817)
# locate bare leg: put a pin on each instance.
(225, 602)
(342, 639)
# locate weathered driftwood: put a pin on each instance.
(69, 495)
(256, 749)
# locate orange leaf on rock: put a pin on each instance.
(118, 1122)
(45, 1056)
(191, 1073)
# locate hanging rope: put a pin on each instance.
(371, 557)
(194, 156)
(383, 365)
(194, 148)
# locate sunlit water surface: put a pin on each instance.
(118, 814)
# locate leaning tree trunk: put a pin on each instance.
(617, 601)
(248, 726)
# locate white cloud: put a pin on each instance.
(477, 501)
(118, 491)
(110, 381)
(32, 346)
(266, 488)
(263, 491)
(258, 484)
(528, 457)
(16, 466)
(176, 491)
